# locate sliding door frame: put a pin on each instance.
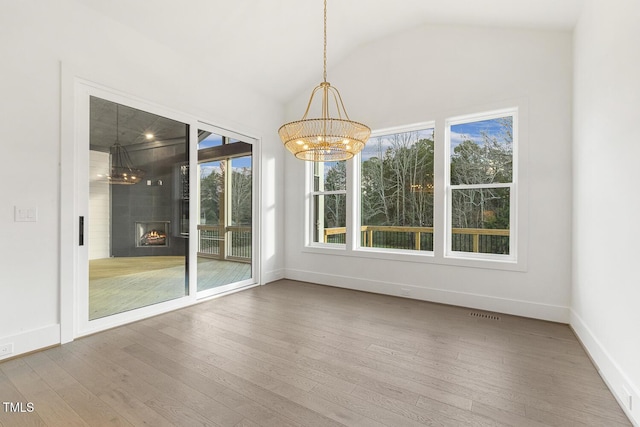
(254, 205)
(74, 192)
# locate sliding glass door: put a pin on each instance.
(138, 209)
(225, 207)
(164, 206)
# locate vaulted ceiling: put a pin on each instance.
(275, 46)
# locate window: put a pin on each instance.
(396, 191)
(444, 191)
(480, 189)
(329, 202)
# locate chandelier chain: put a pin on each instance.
(325, 138)
(325, 41)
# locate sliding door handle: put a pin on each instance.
(81, 229)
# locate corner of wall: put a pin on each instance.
(626, 393)
(272, 276)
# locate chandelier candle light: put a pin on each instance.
(325, 138)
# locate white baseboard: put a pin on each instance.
(272, 276)
(33, 340)
(482, 302)
(609, 370)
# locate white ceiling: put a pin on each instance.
(275, 46)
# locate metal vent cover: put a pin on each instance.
(484, 315)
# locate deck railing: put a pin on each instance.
(212, 242)
(212, 239)
(481, 240)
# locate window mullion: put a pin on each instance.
(441, 185)
(353, 203)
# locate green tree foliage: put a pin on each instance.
(335, 205)
(212, 189)
(241, 197)
(397, 183)
(488, 162)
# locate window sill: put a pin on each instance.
(424, 257)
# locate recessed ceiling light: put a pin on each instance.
(149, 135)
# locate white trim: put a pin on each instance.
(194, 209)
(35, 339)
(272, 276)
(449, 188)
(514, 307)
(75, 93)
(83, 91)
(441, 254)
(328, 193)
(67, 233)
(481, 186)
(320, 247)
(223, 289)
(608, 368)
(426, 125)
(255, 214)
(310, 192)
(494, 113)
(354, 175)
(424, 257)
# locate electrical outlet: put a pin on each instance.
(6, 349)
(628, 398)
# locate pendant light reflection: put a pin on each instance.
(122, 170)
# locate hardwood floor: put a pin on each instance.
(297, 354)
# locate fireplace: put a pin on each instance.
(153, 234)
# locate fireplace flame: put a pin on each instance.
(153, 237)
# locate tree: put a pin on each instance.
(241, 200)
(489, 162)
(211, 186)
(397, 181)
(335, 205)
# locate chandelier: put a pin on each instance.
(122, 170)
(325, 138)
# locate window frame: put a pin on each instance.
(518, 221)
(310, 209)
(512, 186)
(356, 176)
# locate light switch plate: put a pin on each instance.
(25, 214)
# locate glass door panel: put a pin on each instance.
(225, 195)
(138, 209)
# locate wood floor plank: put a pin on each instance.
(212, 344)
(295, 354)
(87, 405)
(259, 394)
(366, 408)
(529, 394)
(230, 398)
(11, 394)
(51, 408)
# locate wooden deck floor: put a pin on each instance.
(296, 354)
(117, 285)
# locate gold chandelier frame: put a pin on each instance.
(325, 138)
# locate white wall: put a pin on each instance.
(431, 70)
(35, 36)
(606, 152)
